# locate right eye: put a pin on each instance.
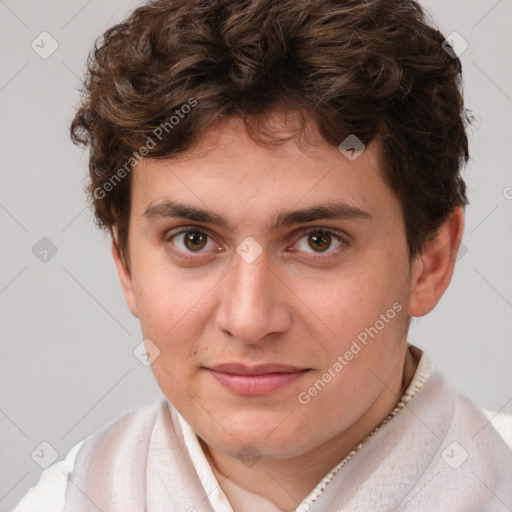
(190, 241)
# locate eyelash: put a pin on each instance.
(301, 232)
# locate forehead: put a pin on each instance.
(226, 171)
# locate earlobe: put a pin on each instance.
(125, 278)
(433, 269)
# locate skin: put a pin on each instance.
(295, 304)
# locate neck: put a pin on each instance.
(286, 483)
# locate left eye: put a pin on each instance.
(319, 240)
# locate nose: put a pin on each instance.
(253, 302)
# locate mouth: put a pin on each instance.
(257, 380)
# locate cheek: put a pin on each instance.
(365, 314)
(171, 309)
(353, 300)
(165, 293)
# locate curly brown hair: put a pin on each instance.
(373, 68)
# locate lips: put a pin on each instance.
(256, 380)
(262, 369)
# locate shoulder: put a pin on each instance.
(466, 415)
(461, 452)
(473, 454)
(480, 428)
(486, 427)
(48, 494)
(502, 423)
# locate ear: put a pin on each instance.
(433, 269)
(125, 278)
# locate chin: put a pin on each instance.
(253, 448)
(260, 436)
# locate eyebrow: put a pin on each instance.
(332, 210)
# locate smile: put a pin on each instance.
(255, 381)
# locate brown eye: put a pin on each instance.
(195, 240)
(319, 241)
(191, 241)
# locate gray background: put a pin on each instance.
(67, 366)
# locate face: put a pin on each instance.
(274, 283)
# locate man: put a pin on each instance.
(282, 184)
